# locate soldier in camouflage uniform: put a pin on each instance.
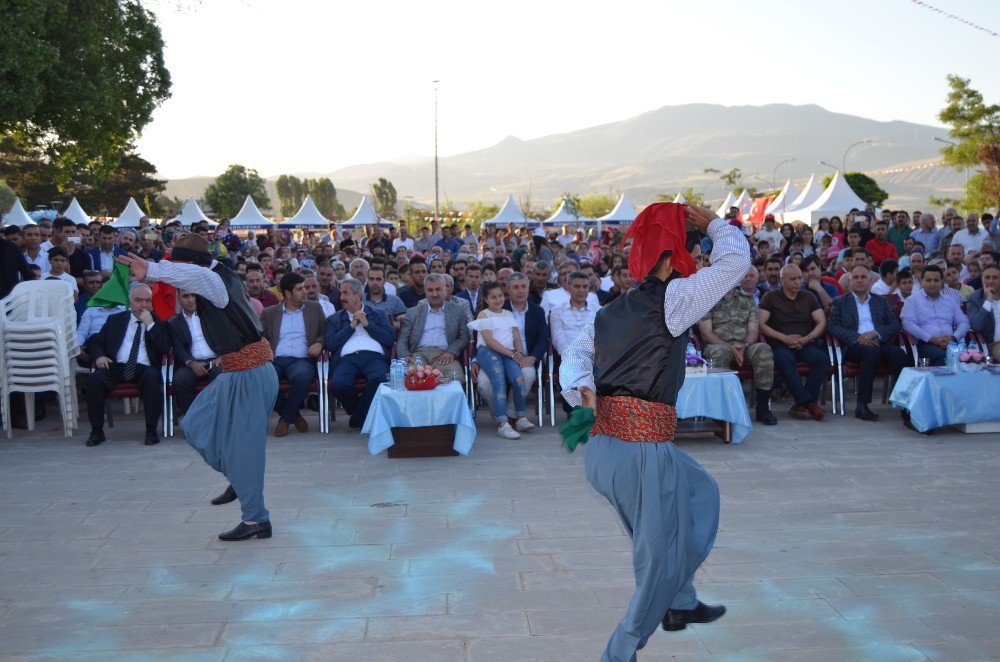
(729, 334)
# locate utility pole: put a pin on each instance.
(437, 207)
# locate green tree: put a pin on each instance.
(733, 178)
(134, 177)
(284, 191)
(975, 126)
(79, 80)
(594, 205)
(866, 187)
(324, 194)
(385, 198)
(689, 195)
(227, 193)
(298, 193)
(7, 197)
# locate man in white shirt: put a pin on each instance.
(769, 232)
(560, 296)
(359, 271)
(972, 237)
(568, 319)
(312, 294)
(404, 239)
(33, 253)
(565, 237)
(194, 360)
(887, 281)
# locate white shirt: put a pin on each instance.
(880, 288)
(107, 260)
(772, 237)
(360, 341)
(292, 336)
(405, 243)
(865, 323)
(42, 261)
(607, 283)
(552, 299)
(199, 346)
(995, 308)
(133, 324)
(567, 322)
(64, 277)
(520, 318)
(969, 241)
(434, 334)
(501, 325)
(474, 298)
(324, 303)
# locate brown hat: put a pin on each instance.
(191, 247)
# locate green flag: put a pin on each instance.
(115, 291)
(575, 430)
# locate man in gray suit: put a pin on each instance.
(866, 327)
(984, 309)
(436, 330)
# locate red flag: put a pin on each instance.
(757, 209)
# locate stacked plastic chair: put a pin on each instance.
(38, 332)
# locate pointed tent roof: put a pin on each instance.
(623, 213)
(838, 199)
(784, 200)
(249, 218)
(130, 216)
(726, 204)
(561, 216)
(679, 199)
(192, 213)
(744, 200)
(509, 213)
(365, 215)
(809, 194)
(75, 212)
(17, 215)
(307, 217)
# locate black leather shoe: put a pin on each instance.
(766, 416)
(865, 414)
(96, 437)
(151, 438)
(226, 497)
(244, 531)
(678, 619)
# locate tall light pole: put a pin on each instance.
(867, 141)
(829, 165)
(953, 144)
(437, 207)
(774, 175)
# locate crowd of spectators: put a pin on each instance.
(365, 297)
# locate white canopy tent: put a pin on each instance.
(562, 216)
(679, 199)
(743, 203)
(129, 218)
(75, 212)
(726, 204)
(17, 215)
(249, 218)
(836, 200)
(307, 218)
(509, 213)
(623, 213)
(784, 200)
(191, 213)
(809, 195)
(365, 215)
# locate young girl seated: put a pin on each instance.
(499, 351)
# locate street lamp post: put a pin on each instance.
(774, 175)
(867, 141)
(829, 165)
(437, 207)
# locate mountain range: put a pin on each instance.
(665, 151)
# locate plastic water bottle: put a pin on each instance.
(398, 367)
(952, 355)
(418, 360)
(691, 351)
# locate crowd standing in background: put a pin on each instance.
(864, 279)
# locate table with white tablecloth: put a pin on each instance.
(444, 405)
(716, 395)
(937, 400)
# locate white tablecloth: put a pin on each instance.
(718, 396)
(445, 405)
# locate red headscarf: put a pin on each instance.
(659, 227)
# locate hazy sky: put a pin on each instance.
(312, 86)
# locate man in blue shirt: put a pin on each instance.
(928, 235)
(448, 242)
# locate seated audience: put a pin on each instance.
(194, 360)
(295, 330)
(360, 339)
(128, 349)
(933, 319)
(436, 330)
(984, 309)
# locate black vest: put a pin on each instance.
(232, 328)
(634, 353)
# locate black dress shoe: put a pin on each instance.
(678, 619)
(151, 438)
(766, 416)
(244, 531)
(96, 437)
(226, 497)
(865, 414)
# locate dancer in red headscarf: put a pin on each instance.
(628, 367)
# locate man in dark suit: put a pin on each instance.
(436, 330)
(866, 327)
(360, 340)
(983, 309)
(128, 349)
(13, 267)
(470, 291)
(104, 254)
(194, 360)
(295, 330)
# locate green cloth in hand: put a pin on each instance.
(576, 429)
(115, 291)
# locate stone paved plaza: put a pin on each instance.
(839, 541)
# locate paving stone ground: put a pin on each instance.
(839, 540)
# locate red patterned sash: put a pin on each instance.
(631, 419)
(253, 355)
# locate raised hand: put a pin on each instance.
(137, 266)
(699, 217)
